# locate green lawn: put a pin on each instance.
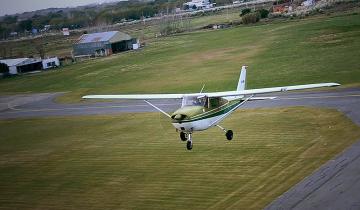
(137, 161)
(318, 49)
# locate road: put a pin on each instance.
(335, 185)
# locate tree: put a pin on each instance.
(251, 18)
(263, 13)
(245, 11)
(8, 19)
(26, 25)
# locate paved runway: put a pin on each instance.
(335, 185)
(43, 105)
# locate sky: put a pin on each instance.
(19, 6)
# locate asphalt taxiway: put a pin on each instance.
(335, 185)
(43, 105)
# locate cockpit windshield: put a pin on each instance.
(209, 103)
(194, 101)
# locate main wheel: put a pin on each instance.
(229, 135)
(189, 145)
(183, 136)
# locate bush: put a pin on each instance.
(245, 11)
(250, 18)
(264, 13)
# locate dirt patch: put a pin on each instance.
(326, 39)
(223, 54)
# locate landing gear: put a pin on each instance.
(188, 138)
(228, 133)
(183, 136)
(189, 144)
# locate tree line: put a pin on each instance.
(91, 16)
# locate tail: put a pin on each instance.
(242, 80)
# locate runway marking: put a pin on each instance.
(11, 107)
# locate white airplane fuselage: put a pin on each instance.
(198, 125)
(204, 115)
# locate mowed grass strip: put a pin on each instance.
(137, 161)
(318, 49)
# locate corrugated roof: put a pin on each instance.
(97, 37)
(20, 61)
(13, 62)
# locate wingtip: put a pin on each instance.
(335, 84)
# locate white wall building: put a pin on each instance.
(198, 4)
(308, 3)
(50, 62)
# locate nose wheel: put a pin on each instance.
(183, 136)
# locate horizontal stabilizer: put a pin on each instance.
(261, 98)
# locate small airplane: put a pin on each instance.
(201, 111)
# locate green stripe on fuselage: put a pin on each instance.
(214, 112)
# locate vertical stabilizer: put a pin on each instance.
(242, 80)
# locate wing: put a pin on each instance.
(136, 96)
(269, 90)
(214, 94)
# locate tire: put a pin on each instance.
(189, 145)
(183, 136)
(229, 135)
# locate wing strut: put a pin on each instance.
(160, 110)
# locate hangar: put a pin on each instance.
(102, 44)
(22, 65)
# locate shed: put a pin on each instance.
(52, 62)
(21, 65)
(102, 44)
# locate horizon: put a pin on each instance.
(13, 7)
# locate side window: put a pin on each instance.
(214, 102)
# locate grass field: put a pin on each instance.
(136, 161)
(318, 49)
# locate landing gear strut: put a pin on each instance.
(189, 144)
(228, 133)
(187, 137)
